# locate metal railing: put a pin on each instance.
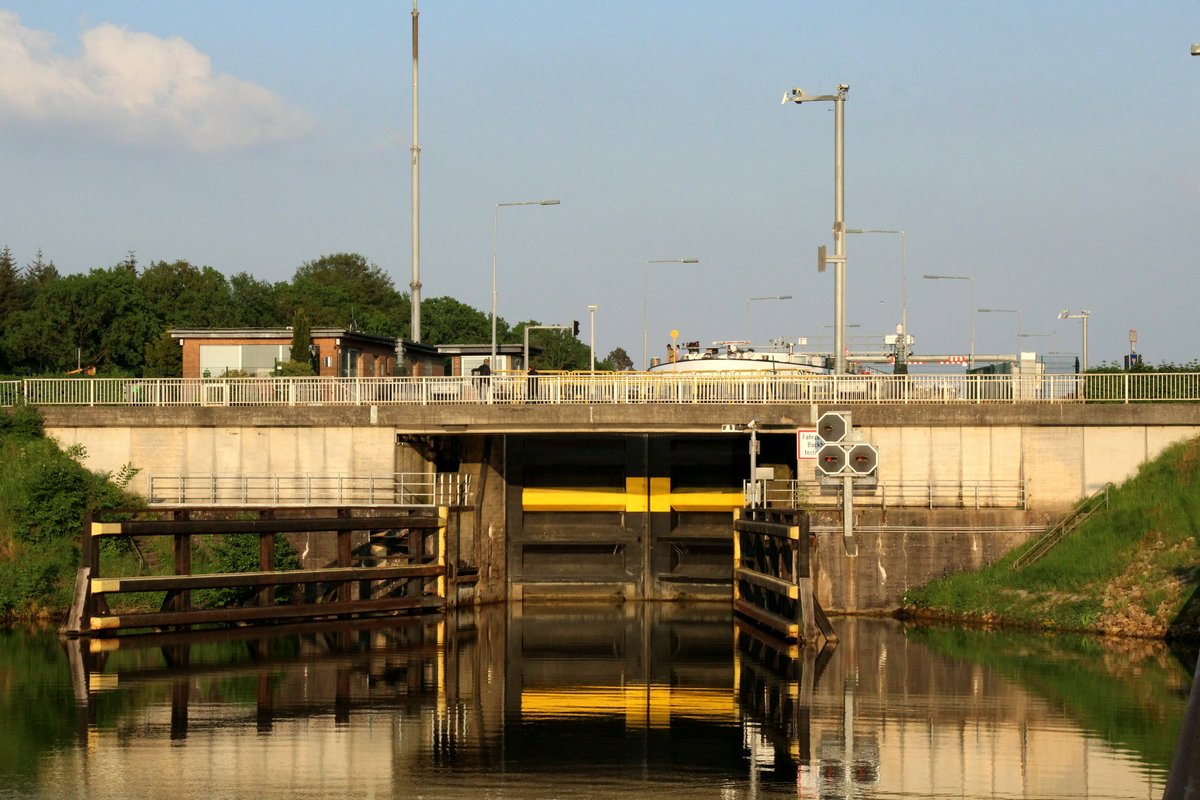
(894, 494)
(410, 489)
(614, 388)
(1047, 541)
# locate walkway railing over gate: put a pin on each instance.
(611, 388)
(409, 489)
(895, 494)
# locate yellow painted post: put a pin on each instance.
(737, 554)
(443, 523)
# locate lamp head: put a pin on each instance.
(796, 95)
(1063, 314)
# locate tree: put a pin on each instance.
(164, 358)
(447, 321)
(11, 301)
(560, 349)
(301, 338)
(182, 296)
(255, 303)
(618, 360)
(344, 290)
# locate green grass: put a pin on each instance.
(1132, 568)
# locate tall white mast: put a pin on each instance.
(415, 286)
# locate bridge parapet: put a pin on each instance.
(606, 389)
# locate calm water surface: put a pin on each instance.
(566, 702)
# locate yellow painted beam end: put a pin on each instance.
(706, 501)
(100, 585)
(536, 499)
(104, 623)
(106, 529)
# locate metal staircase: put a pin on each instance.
(1047, 541)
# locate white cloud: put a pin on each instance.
(136, 88)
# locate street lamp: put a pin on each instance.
(592, 310)
(1006, 311)
(970, 278)
(902, 351)
(1083, 315)
(751, 300)
(646, 293)
(495, 226)
(798, 96)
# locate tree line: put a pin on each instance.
(116, 319)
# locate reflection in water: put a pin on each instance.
(584, 701)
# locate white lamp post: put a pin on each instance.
(495, 226)
(798, 96)
(592, 311)
(902, 351)
(751, 300)
(1020, 328)
(970, 278)
(1082, 315)
(646, 294)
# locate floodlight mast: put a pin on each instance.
(798, 96)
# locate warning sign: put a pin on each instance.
(808, 444)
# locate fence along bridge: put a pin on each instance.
(620, 388)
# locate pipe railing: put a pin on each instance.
(409, 489)
(610, 388)
(974, 494)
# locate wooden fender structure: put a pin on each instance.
(399, 565)
(772, 574)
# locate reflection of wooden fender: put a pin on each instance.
(83, 371)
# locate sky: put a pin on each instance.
(1050, 151)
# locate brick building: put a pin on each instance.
(337, 352)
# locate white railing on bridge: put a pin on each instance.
(893, 494)
(607, 388)
(410, 489)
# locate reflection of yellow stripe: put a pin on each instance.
(641, 705)
(534, 499)
(103, 681)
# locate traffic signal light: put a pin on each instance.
(575, 327)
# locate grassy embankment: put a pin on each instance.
(1132, 569)
(44, 493)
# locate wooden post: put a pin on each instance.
(266, 560)
(344, 553)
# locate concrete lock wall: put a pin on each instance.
(1059, 463)
(1061, 454)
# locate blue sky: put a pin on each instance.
(1049, 150)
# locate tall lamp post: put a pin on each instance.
(1082, 315)
(592, 311)
(798, 96)
(902, 351)
(1020, 328)
(970, 278)
(495, 227)
(646, 294)
(751, 300)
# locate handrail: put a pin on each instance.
(609, 388)
(1078, 515)
(416, 489)
(964, 493)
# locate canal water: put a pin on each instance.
(640, 700)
